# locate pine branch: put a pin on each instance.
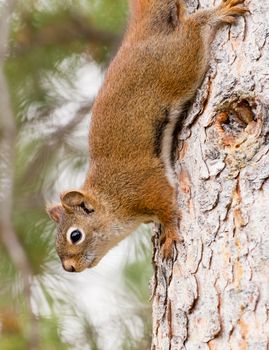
(53, 142)
(74, 28)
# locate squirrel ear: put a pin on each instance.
(72, 199)
(55, 212)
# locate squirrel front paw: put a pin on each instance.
(169, 238)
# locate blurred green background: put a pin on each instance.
(57, 54)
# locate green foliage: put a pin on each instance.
(50, 338)
(109, 15)
(42, 37)
(13, 341)
(137, 276)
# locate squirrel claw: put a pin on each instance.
(228, 10)
(167, 247)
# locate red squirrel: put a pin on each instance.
(157, 70)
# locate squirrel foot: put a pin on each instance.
(229, 9)
(170, 237)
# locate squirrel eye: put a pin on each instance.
(75, 235)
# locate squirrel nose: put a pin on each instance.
(68, 266)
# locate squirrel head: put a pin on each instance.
(85, 231)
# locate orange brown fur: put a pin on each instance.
(160, 65)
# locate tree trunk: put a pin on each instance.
(215, 294)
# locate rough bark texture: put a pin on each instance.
(215, 294)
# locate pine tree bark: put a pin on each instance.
(215, 293)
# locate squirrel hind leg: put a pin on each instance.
(228, 11)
